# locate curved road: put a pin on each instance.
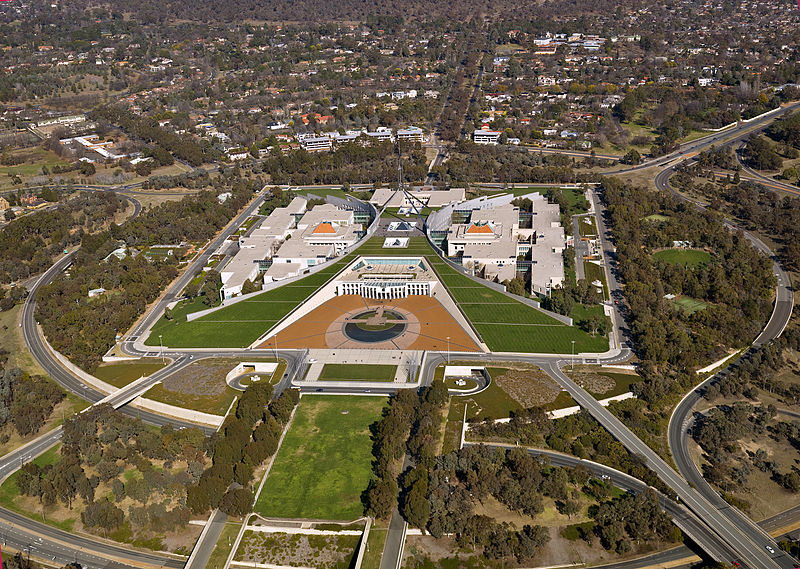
(60, 544)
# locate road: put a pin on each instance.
(174, 291)
(719, 535)
(678, 429)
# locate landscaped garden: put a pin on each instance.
(324, 462)
(505, 324)
(352, 372)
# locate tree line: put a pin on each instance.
(26, 401)
(247, 438)
(84, 329)
(350, 163)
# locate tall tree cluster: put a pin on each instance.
(249, 436)
(84, 328)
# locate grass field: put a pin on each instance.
(690, 258)
(596, 272)
(507, 325)
(121, 374)
(689, 304)
(657, 217)
(351, 372)
(325, 461)
(224, 545)
(214, 404)
(504, 323)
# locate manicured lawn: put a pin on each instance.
(595, 272)
(583, 312)
(687, 257)
(325, 461)
(539, 338)
(240, 324)
(501, 312)
(351, 372)
(121, 374)
(490, 311)
(689, 304)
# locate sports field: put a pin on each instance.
(690, 258)
(325, 461)
(690, 305)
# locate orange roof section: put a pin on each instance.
(479, 229)
(324, 227)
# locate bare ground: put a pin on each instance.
(321, 552)
(529, 386)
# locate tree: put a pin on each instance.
(380, 497)
(569, 507)
(102, 514)
(237, 502)
(632, 157)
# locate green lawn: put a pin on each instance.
(122, 373)
(507, 325)
(325, 461)
(224, 545)
(375, 544)
(657, 217)
(595, 272)
(689, 304)
(492, 402)
(240, 324)
(352, 372)
(690, 258)
(504, 323)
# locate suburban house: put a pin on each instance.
(490, 137)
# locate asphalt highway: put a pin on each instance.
(174, 291)
(718, 533)
(678, 429)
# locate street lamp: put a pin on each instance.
(448, 349)
(573, 355)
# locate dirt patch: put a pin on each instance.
(529, 386)
(319, 551)
(558, 551)
(593, 382)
